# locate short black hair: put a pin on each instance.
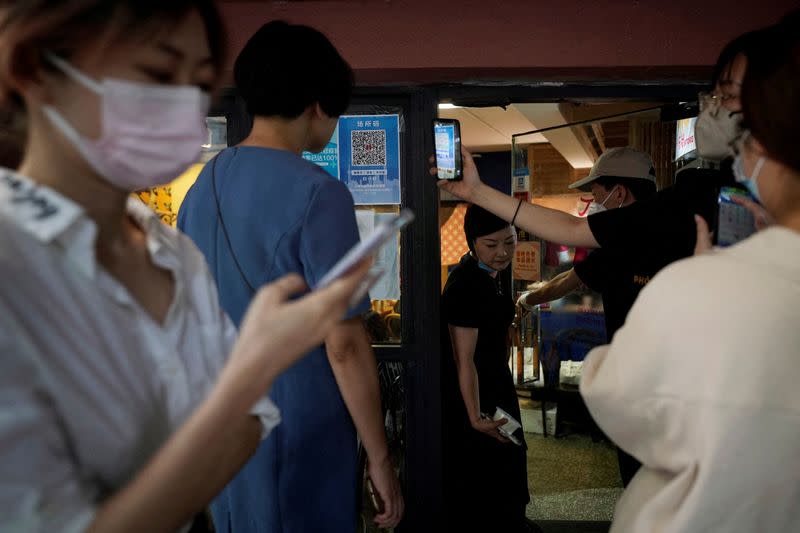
(478, 222)
(284, 68)
(640, 188)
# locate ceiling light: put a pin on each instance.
(448, 105)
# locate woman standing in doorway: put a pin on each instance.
(485, 474)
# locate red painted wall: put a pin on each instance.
(567, 35)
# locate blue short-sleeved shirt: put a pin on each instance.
(282, 214)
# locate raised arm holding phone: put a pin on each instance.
(549, 224)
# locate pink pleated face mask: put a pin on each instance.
(149, 133)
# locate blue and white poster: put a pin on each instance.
(369, 158)
(328, 158)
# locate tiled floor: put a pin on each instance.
(550, 526)
(574, 483)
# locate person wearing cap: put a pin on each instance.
(664, 225)
(620, 177)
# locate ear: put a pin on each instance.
(24, 74)
(624, 195)
(318, 112)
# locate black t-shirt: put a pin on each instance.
(474, 299)
(480, 473)
(618, 278)
(639, 240)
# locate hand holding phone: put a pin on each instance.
(374, 497)
(511, 425)
(447, 141)
(735, 222)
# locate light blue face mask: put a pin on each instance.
(483, 265)
(748, 181)
(486, 267)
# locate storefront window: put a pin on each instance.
(365, 152)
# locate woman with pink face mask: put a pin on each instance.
(126, 400)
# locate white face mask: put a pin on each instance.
(596, 207)
(150, 133)
(738, 170)
(748, 181)
(715, 130)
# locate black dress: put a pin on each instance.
(485, 481)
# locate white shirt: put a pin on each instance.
(90, 385)
(702, 385)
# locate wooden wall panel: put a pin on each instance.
(550, 172)
(657, 139)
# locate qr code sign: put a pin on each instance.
(368, 147)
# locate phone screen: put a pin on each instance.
(367, 247)
(447, 140)
(734, 222)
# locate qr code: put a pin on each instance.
(369, 147)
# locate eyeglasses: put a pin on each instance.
(714, 100)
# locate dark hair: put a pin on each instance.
(284, 68)
(479, 222)
(12, 140)
(770, 101)
(740, 45)
(31, 27)
(640, 188)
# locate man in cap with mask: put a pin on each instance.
(620, 177)
(657, 231)
(663, 225)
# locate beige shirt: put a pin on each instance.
(702, 385)
(90, 385)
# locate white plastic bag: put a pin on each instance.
(570, 372)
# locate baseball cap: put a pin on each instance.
(621, 162)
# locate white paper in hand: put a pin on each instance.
(509, 427)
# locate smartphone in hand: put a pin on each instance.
(447, 141)
(368, 247)
(374, 497)
(734, 221)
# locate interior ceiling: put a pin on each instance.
(565, 140)
(489, 129)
